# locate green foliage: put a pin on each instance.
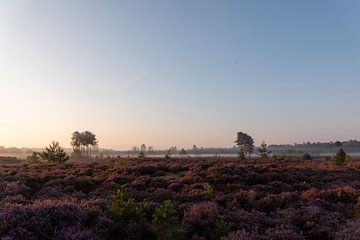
(340, 157)
(306, 156)
(55, 153)
(209, 189)
(124, 208)
(165, 214)
(245, 143)
(221, 229)
(263, 150)
(82, 143)
(348, 160)
(118, 163)
(166, 220)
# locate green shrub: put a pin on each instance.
(124, 208)
(165, 214)
(306, 156)
(209, 189)
(166, 220)
(341, 158)
(55, 153)
(221, 229)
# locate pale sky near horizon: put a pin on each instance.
(168, 73)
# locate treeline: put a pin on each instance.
(351, 146)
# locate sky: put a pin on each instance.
(178, 73)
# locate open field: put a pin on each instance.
(210, 199)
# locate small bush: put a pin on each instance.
(306, 156)
(340, 157)
(221, 229)
(165, 218)
(209, 189)
(124, 208)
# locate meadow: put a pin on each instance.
(182, 198)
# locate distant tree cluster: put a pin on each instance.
(82, 143)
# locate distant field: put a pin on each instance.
(210, 199)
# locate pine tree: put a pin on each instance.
(263, 150)
(55, 153)
(245, 143)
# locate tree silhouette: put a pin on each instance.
(245, 143)
(55, 153)
(263, 150)
(83, 142)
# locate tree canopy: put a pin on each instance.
(245, 143)
(82, 143)
(55, 153)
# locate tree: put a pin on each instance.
(151, 149)
(183, 152)
(337, 144)
(241, 155)
(245, 143)
(173, 150)
(55, 153)
(168, 154)
(142, 155)
(82, 143)
(341, 158)
(263, 150)
(135, 149)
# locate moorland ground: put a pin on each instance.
(189, 198)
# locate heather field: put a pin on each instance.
(181, 199)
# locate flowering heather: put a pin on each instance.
(254, 199)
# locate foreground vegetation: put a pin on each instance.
(181, 199)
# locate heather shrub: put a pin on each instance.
(139, 231)
(73, 233)
(85, 185)
(124, 208)
(243, 235)
(282, 233)
(160, 195)
(350, 231)
(313, 221)
(251, 221)
(201, 217)
(245, 198)
(46, 219)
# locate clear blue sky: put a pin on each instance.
(179, 73)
